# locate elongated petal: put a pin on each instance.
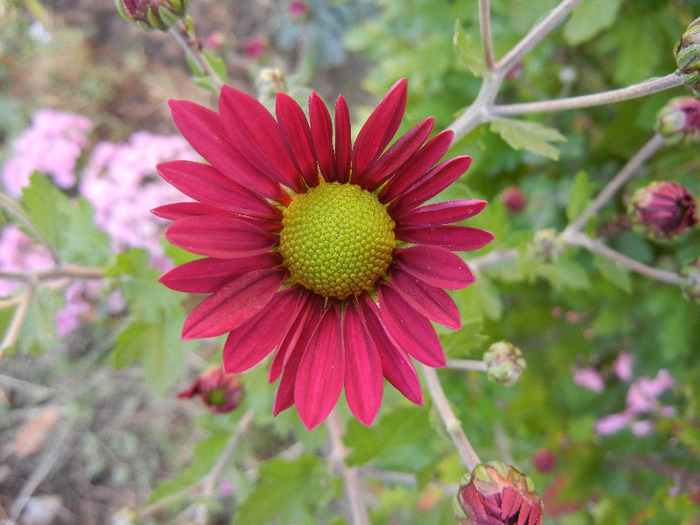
(295, 128)
(322, 134)
(343, 141)
(402, 150)
(285, 391)
(250, 342)
(204, 130)
(411, 330)
(256, 134)
(436, 266)
(437, 179)
(379, 128)
(441, 212)
(321, 372)
(363, 368)
(180, 210)
(233, 304)
(455, 238)
(430, 301)
(207, 185)
(420, 163)
(397, 366)
(221, 237)
(209, 274)
(303, 327)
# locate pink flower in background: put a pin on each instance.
(52, 145)
(19, 252)
(622, 366)
(590, 379)
(298, 10)
(299, 227)
(120, 182)
(256, 47)
(612, 424)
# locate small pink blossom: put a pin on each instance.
(622, 366)
(256, 48)
(613, 423)
(19, 252)
(590, 379)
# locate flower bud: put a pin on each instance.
(298, 11)
(679, 121)
(497, 494)
(687, 53)
(663, 210)
(153, 14)
(504, 363)
(691, 285)
(514, 199)
(219, 391)
(546, 246)
(544, 460)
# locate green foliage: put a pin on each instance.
(531, 136)
(468, 52)
(589, 19)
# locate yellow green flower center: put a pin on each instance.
(337, 239)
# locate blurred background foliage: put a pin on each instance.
(112, 380)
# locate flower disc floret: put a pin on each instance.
(337, 240)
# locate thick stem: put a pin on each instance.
(467, 364)
(353, 484)
(536, 34)
(466, 451)
(596, 246)
(70, 271)
(626, 173)
(597, 99)
(189, 43)
(485, 30)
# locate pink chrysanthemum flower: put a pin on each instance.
(318, 249)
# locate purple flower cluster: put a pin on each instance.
(120, 182)
(52, 145)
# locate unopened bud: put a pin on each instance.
(219, 391)
(663, 210)
(687, 53)
(544, 460)
(514, 199)
(496, 494)
(298, 10)
(153, 14)
(504, 363)
(546, 246)
(679, 121)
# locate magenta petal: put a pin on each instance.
(300, 334)
(209, 274)
(441, 212)
(411, 330)
(221, 237)
(250, 342)
(436, 180)
(321, 372)
(343, 141)
(204, 130)
(402, 150)
(436, 266)
(295, 129)
(363, 368)
(380, 127)
(432, 302)
(397, 366)
(207, 185)
(180, 210)
(322, 134)
(455, 238)
(420, 163)
(233, 304)
(255, 132)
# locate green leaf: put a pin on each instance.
(589, 19)
(47, 207)
(580, 196)
(286, 493)
(531, 136)
(564, 273)
(84, 243)
(468, 52)
(613, 272)
(38, 332)
(217, 63)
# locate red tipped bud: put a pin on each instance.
(663, 210)
(219, 391)
(153, 14)
(497, 494)
(504, 363)
(679, 121)
(514, 200)
(544, 460)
